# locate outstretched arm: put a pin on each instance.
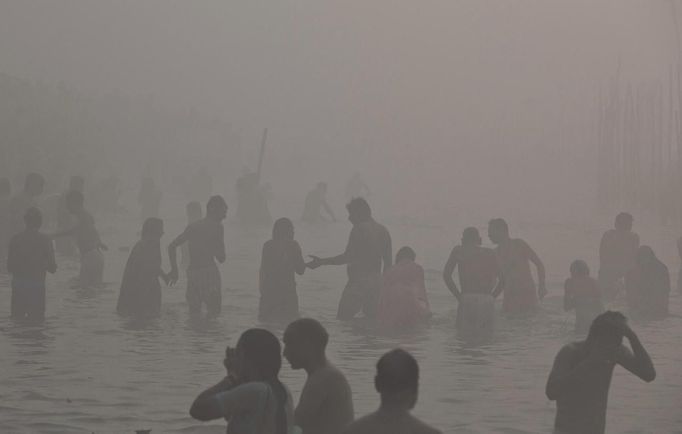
(638, 361)
(450, 266)
(535, 259)
(173, 257)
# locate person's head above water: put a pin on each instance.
(498, 230)
(645, 256)
(76, 183)
(358, 210)
(5, 187)
(579, 268)
(193, 211)
(216, 208)
(471, 237)
(624, 222)
(397, 380)
(322, 187)
(405, 254)
(33, 218)
(606, 330)
(34, 184)
(305, 342)
(74, 201)
(152, 229)
(283, 229)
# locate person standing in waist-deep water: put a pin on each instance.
(369, 246)
(140, 294)
(29, 258)
(5, 233)
(403, 303)
(281, 260)
(34, 185)
(480, 280)
(326, 402)
(251, 397)
(206, 242)
(582, 294)
(582, 371)
(315, 202)
(87, 238)
(149, 198)
(194, 214)
(617, 252)
(647, 286)
(514, 257)
(66, 245)
(397, 381)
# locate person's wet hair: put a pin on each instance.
(405, 253)
(359, 207)
(624, 219)
(152, 227)
(471, 236)
(282, 229)
(215, 203)
(33, 218)
(5, 187)
(606, 325)
(500, 225)
(75, 199)
(397, 371)
(311, 331)
(579, 268)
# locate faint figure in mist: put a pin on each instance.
(149, 199)
(403, 303)
(87, 239)
(617, 252)
(356, 187)
(514, 257)
(368, 254)
(582, 371)
(252, 201)
(679, 273)
(582, 294)
(480, 279)
(5, 230)
(106, 196)
(206, 243)
(140, 294)
(647, 286)
(315, 202)
(65, 245)
(34, 185)
(194, 214)
(397, 381)
(202, 184)
(326, 402)
(251, 397)
(281, 260)
(29, 258)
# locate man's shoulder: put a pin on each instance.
(571, 349)
(362, 425)
(421, 427)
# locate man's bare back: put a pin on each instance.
(326, 404)
(386, 422)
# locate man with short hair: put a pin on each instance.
(397, 381)
(34, 184)
(326, 403)
(582, 371)
(617, 252)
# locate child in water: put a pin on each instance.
(280, 262)
(140, 294)
(402, 300)
(582, 294)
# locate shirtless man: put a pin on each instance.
(479, 277)
(369, 246)
(206, 246)
(326, 403)
(33, 187)
(397, 381)
(617, 252)
(514, 257)
(314, 202)
(582, 371)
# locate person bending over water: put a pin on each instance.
(647, 286)
(29, 258)
(326, 403)
(369, 246)
(206, 243)
(480, 279)
(315, 202)
(87, 238)
(402, 301)
(5, 231)
(251, 397)
(397, 381)
(617, 252)
(140, 294)
(582, 371)
(281, 260)
(514, 257)
(194, 214)
(582, 294)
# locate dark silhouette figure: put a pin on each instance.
(315, 202)
(480, 279)
(326, 402)
(5, 230)
(582, 294)
(582, 371)
(30, 257)
(403, 303)
(33, 188)
(397, 381)
(206, 243)
(617, 252)
(87, 239)
(149, 199)
(251, 397)
(514, 257)
(281, 260)
(356, 187)
(647, 286)
(140, 294)
(65, 220)
(368, 248)
(194, 214)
